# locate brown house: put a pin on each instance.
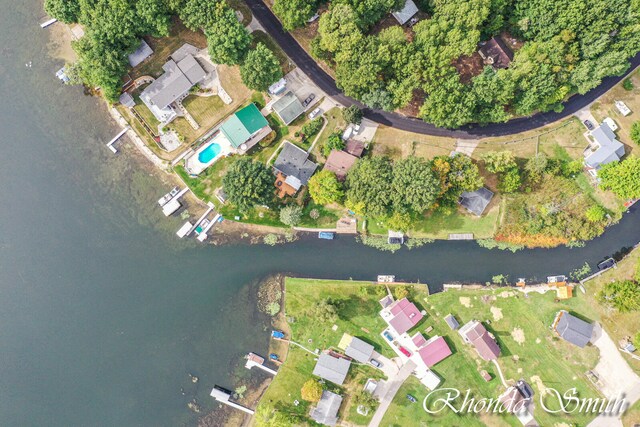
(354, 147)
(339, 163)
(496, 53)
(476, 334)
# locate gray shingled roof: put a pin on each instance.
(574, 330)
(476, 201)
(326, 412)
(288, 107)
(140, 54)
(610, 150)
(332, 368)
(359, 350)
(452, 322)
(190, 68)
(294, 161)
(406, 12)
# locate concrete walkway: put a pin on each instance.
(392, 385)
(617, 378)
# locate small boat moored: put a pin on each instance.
(326, 235)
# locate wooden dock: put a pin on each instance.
(48, 22)
(224, 396)
(117, 137)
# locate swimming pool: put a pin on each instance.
(209, 153)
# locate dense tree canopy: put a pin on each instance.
(294, 13)
(248, 183)
(568, 47)
(369, 186)
(227, 38)
(414, 185)
(325, 188)
(623, 178)
(63, 10)
(260, 69)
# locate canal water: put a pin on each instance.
(103, 312)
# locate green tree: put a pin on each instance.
(248, 183)
(267, 416)
(198, 14)
(294, 13)
(414, 185)
(325, 188)
(499, 161)
(154, 17)
(352, 114)
(379, 99)
(334, 142)
(227, 38)
(635, 132)
(369, 186)
(510, 181)
(623, 296)
(622, 177)
(400, 292)
(595, 213)
(536, 166)
(311, 390)
(324, 311)
(398, 221)
(260, 69)
(365, 399)
(63, 10)
(291, 215)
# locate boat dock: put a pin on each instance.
(223, 396)
(117, 137)
(204, 215)
(253, 360)
(174, 204)
(48, 22)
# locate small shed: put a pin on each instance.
(395, 237)
(140, 54)
(496, 53)
(407, 12)
(127, 100)
(477, 201)
(452, 322)
(430, 380)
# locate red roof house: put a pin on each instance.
(418, 340)
(405, 316)
(476, 334)
(434, 351)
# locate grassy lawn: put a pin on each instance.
(632, 416)
(619, 325)
(334, 121)
(397, 144)
(327, 219)
(261, 37)
(605, 107)
(208, 181)
(358, 316)
(538, 356)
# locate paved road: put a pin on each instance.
(325, 82)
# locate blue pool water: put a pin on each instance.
(209, 153)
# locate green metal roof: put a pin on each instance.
(239, 127)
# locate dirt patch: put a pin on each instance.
(270, 295)
(507, 294)
(538, 340)
(59, 45)
(497, 313)
(466, 301)
(518, 335)
(469, 66)
(538, 382)
(487, 299)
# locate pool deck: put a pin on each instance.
(195, 167)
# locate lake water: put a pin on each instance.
(103, 311)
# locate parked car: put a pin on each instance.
(411, 398)
(525, 389)
(308, 100)
(356, 128)
(375, 363)
(314, 113)
(388, 336)
(588, 124)
(405, 351)
(277, 334)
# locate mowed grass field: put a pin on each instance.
(530, 351)
(358, 316)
